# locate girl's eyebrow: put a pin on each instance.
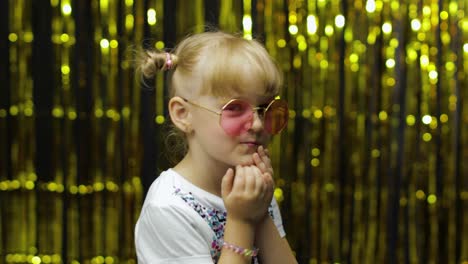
(264, 100)
(265, 104)
(224, 100)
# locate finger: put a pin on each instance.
(266, 158)
(267, 161)
(260, 185)
(262, 152)
(239, 179)
(265, 164)
(260, 149)
(250, 179)
(227, 182)
(269, 184)
(268, 179)
(259, 162)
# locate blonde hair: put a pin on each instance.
(214, 63)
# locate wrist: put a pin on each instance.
(264, 225)
(239, 225)
(240, 250)
(239, 232)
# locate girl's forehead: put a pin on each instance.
(241, 76)
(252, 98)
(249, 88)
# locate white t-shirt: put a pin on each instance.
(181, 223)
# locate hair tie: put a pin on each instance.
(168, 61)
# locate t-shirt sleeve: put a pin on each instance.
(170, 234)
(276, 215)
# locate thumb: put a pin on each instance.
(268, 180)
(270, 184)
(227, 182)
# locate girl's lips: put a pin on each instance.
(251, 143)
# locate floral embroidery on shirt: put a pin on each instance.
(214, 218)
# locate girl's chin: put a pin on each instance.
(249, 150)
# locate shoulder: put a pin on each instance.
(163, 204)
(161, 188)
(168, 229)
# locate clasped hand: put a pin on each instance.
(247, 192)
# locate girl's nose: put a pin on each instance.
(257, 122)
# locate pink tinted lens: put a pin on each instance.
(236, 117)
(276, 116)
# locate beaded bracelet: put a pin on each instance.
(240, 250)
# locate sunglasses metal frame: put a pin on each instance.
(254, 109)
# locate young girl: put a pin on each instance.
(216, 205)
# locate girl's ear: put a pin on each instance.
(180, 114)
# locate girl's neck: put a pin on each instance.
(205, 174)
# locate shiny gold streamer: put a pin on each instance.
(230, 17)
(20, 233)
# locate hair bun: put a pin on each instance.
(156, 61)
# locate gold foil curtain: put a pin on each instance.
(20, 161)
(370, 170)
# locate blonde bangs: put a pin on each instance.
(234, 61)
